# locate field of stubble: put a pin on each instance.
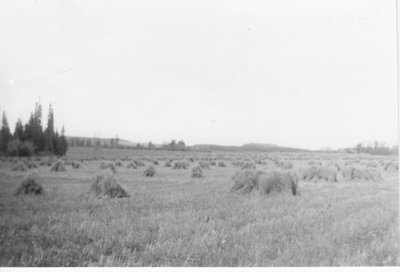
(172, 219)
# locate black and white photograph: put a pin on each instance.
(199, 133)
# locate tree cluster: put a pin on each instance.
(376, 149)
(32, 138)
(175, 146)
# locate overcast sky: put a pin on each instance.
(309, 73)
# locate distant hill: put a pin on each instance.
(252, 147)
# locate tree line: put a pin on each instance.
(173, 145)
(32, 138)
(377, 149)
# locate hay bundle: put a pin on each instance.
(108, 165)
(76, 165)
(105, 184)
(213, 163)
(131, 165)
(118, 163)
(181, 165)
(58, 167)
(315, 163)
(245, 181)
(372, 164)
(315, 174)
(357, 174)
(261, 162)
(285, 165)
(248, 165)
(30, 185)
(197, 172)
(221, 164)
(139, 163)
(50, 161)
(204, 165)
(31, 164)
(20, 166)
(167, 164)
(150, 171)
(391, 167)
(276, 182)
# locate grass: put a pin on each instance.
(171, 220)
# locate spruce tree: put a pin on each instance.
(49, 132)
(5, 133)
(19, 133)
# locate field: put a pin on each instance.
(172, 219)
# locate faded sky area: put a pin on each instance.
(309, 74)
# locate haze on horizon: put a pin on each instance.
(308, 74)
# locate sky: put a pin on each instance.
(309, 74)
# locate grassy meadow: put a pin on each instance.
(172, 219)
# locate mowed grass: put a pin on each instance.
(172, 219)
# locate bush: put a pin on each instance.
(30, 185)
(150, 171)
(197, 172)
(17, 148)
(105, 184)
(58, 167)
(213, 163)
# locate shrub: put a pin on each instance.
(197, 172)
(150, 171)
(155, 162)
(18, 148)
(58, 167)
(278, 182)
(204, 165)
(30, 185)
(105, 184)
(213, 163)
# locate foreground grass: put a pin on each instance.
(174, 220)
